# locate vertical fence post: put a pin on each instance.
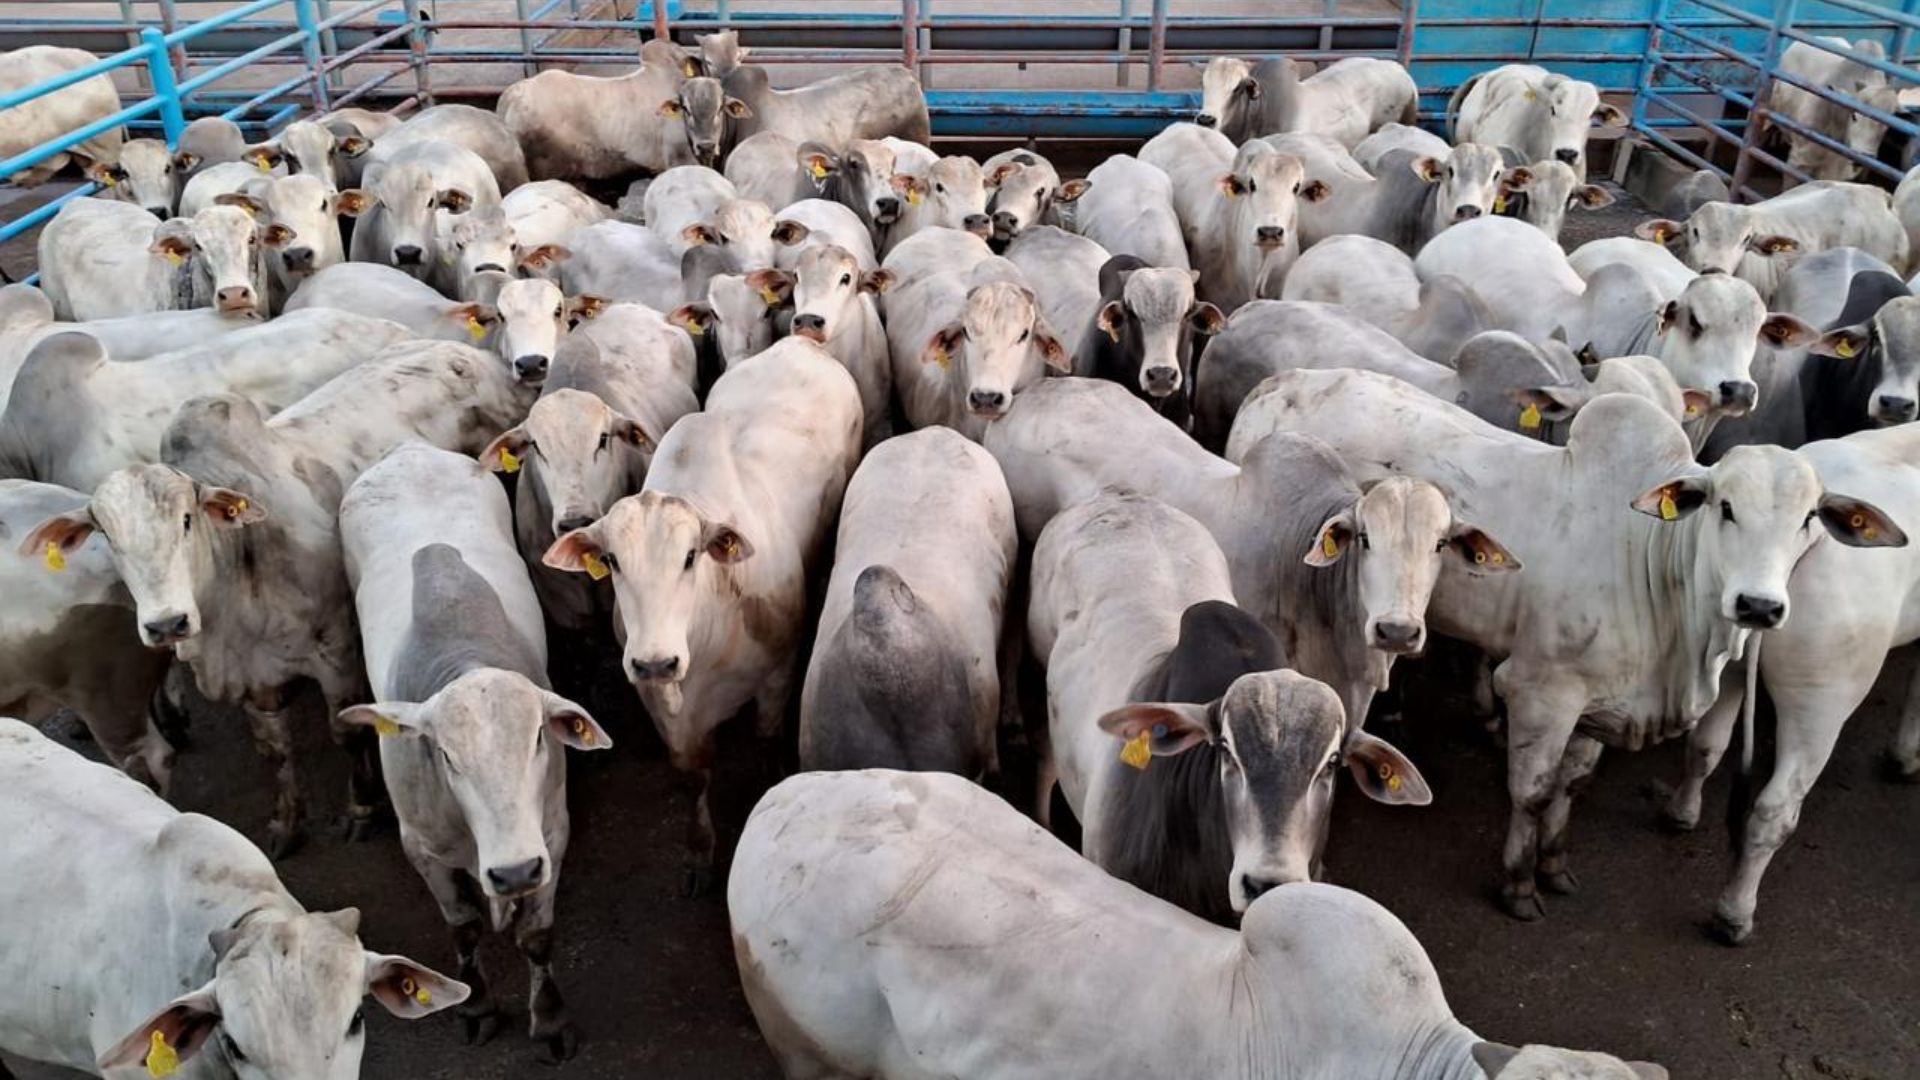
(660, 28)
(910, 34)
(1124, 42)
(1657, 11)
(169, 22)
(527, 66)
(417, 54)
(173, 118)
(1409, 16)
(1156, 45)
(310, 48)
(1903, 34)
(1783, 11)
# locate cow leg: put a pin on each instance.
(549, 1022)
(272, 725)
(1904, 756)
(770, 704)
(1705, 746)
(479, 1015)
(1540, 724)
(1583, 754)
(695, 779)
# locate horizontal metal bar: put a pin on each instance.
(1861, 58)
(1876, 12)
(29, 158)
(224, 19)
(34, 218)
(78, 75)
(221, 71)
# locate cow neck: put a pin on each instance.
(1692, 631)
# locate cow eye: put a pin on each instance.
(1024, 335)
(605, 438)
(358, 1022)
(1333, 764)
(186, 523)
(1726, 511)
(846, 279)
(1296, 189)
(232, 1048)
(1811, 514)
(691, 555)
(559, 311)
(1366, 544)
(1251, 186)
(941, 188)
(1693, 325)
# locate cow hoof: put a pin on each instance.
(1726, 930)
(696, 880)
(282, 842)
(561, 1045)
(1901, 772)
(481, 1027)
(1560, 883)
(1525, 907)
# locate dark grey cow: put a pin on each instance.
(1865, 370)
(1142, 337)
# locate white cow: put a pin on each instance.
(1239, 210)
(833, 303)
(1064, 270)
(411, 187)
(64, 111)
(585, 127)
(75, 415)
(619, 260)
(1407, 201)
(1621, 627)
(1377, 282)
(1809, 62)
(710, 562)
(1027, 191)
(1345, 100)
(1541, 115)
(207, 955)
(545, 214)
(479, 131)
(1003, 923)
(100, 259)
(1129, 211)
(394, 295)
(1655, 262)
(906, 667)
(300, 224)
(1758, 242)
(947, 193)
(473, 742)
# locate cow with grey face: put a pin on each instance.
(146, 174)
(1027, 191)
(738, 319)
(776, 170)
(1868, 374)
(225, 973)
(404, 228)
(310, 149)
(101, 259)
(709, 117)
(1541, 115)
(1541, 194)
(747, 232)
(1142, 337)
(483, 242)
(1132, 615)
(300, 220)
(1759, 242)
(869, 102)
(472, 741)
(1418, 196)
(951, 193)
(1239, 209)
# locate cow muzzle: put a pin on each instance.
(1398, 635)
(706, 153)
(991, 404)
(298, 260)
(161, 212)
(1466, 212)
(1160, 382)
(234, 298)
(1005, 226)
(660, 669)
(1567, 155)
(1738, 397)
(530, 369)
(886, 210)
(979, 225)
(517, 879)
(1891, 409)
(1206, 120)
(168, 630)
(1269, 237)
(1756, 612)
(408, 255)
(1246, 887)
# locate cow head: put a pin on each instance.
(1536, 1062)
(482, 240)
(1001, 344)
(1469, 183)
(1759, 509)
(493, 733)
(1155, 320)
(1227, 90)
(534, 316)
(285, 1000)
(160, 524)
(310, 149)
(1566, 109)
(408, 196)
(221, 245)
(1542, 193)
(828, 289)
(860, 179)
(746, 230)
(1718, 236)
(1396, 536)
(740, 312)
(707, 113)
(1892, 337)
(1025, 189)
(1279, 738)
(722, 53)
(953, 195)
(589, 456)
(667, 559)
(1266, 187)
(145, 176)
(1708, 335)
(301, 222)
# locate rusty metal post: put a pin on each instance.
(1409, 16)
(1156, 45)
(417, 53)
(1783, 12)
(910, 35)
(660, 28)
(170, 22)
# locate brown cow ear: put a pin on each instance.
(1000, 173)
(1331, 542)
(1783, 331)
(1113, 319)
(353, 202)
(1609, 116)
(453, 200)
(230, 509)
(1232, 186)
(1383, 772)
(1430, 169)
(1845, 343)
(263, 158)
(1774, 245)
(1857, 523)
(254, 207)
(1205, 318)
(410, 991)
(1168, 728)
(586, 307)
(186, 161)
(698, 235)
(1072, 190)
(507, 450)
(630, 432)
(571, 726)
(725, 544)
(695, 319)
(1314, 191)
(578, 552)
(943, 344)
(775, 286)
(789, 232)
(737, 109)
(1482, 553)
(355, 145)
(1675, 499)
(1592, 196)
(1517, 178)
(170, 1038)
(1696, 403)
(1251, 88)
(671, 107)
(545, 255)
(1659, 230)
(876, 281)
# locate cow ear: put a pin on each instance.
(570, 725)
(355, 145)
(1428, 168)
(1784, 331)
(1555, 403)
(1251, 88)
(629, 431)
(239, 200)
(737, 109)
(1591, 196)
(942, 345)
(585, 307)
(876, 281)
(479, 318)
(507, 450)
(229, 509)
(410, 991)
(1668, 315)
(1000, 173)
(453, 200)
(671, 107)
(725, 544)
(1774, 245)
(1314, 191)
(1481, 553)
(1204, 318)
(62, 534)
(1609, 116)
(693, 318)
(1331, 542)
(170, 1038)
(578, 552)
(789, 232)
(1072, 190)
(172, 242)
(1232, 186)
(1647, 1070)
(1695, 403)
(1052, 352)
(1170, 727)
(1857, 523)
(1492, 1057)
(278, 236)
(1659, 230)
(1845, 343)
(353, 202)
(819, 162)
(387, 718)
(1383, 772)
(698, 235)
(1675, 499)
(1516, 179)
(263, 157)
(911, 188)
(544, 256)
(1112, 318)
(775, 286)
(186, 161)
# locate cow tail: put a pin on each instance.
(1740, 799)
(1452, 117)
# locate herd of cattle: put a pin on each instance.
(1213, 435)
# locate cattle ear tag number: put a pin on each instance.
(1328, 545)
(1844, 349)
(475, 328)
(384, 726)
(1388, 776)
(596, 569)
(581, 731)
(508, 462)
(56, 561)
(1136, 752)
(913, 196)
(1530, 417)
(819, 170)
(175, 257)
(162, 1060)
(1500, 204)
(415, 991)
(1668, 511)
(772, 298)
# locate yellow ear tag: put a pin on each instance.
(384, 726)
(1114, 333)
(1479, 557)
(235, 509)
(1530, 418)
(1500, 204)
(582, 732)
(596, 569)
(476, 329)
(260, 162)
(1328, 546)
(1668, 511)
(162, 1060)
(1135, 751)
(110, 180)
(943, 358)
(56, 561)
(818, 170)
(1531, 96)
(415, 991)
(1844, 349)
(772, 298)
(1693, 409)
(696, 329)
(913, 196)
(508, 462)
(1497, 558)
(175, 257)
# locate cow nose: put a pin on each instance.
(1205, 120)
(168, 629)
(987, 402)
(571, 522)
(1759, 612)
(1398, 635)
(1714, 270)
(1895, 407)
(1160, 381)
(517, 879)
(1569, 155)
(886, 209)
(531, 368)
(1255, 887)
(1739, 394)
(1270, 235)
(665, 668)
(978, 224)
(407, 255)
(234, 298)
(707, 152)
(810, 325)
(1005, 222)
(160, 212)
(486, 266)
(298, 258)
(1466, 213)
